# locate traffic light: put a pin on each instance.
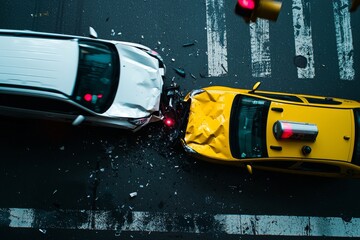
(250, 10)
(354, 5)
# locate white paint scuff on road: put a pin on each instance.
(260, 48)
(303, 37)
(216, 38)
(344, 41)
(138, 221)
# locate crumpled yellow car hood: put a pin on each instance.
(207, 131)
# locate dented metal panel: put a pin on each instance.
(208, 125)
(140, 84)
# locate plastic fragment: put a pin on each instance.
(204, 76)
(180, 72)
(133, 194)
(189, 44)
(42, 231)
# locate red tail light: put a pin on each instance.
(169, 122)
(248, 4)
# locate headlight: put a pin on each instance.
(138, 121)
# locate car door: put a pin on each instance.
(39, 107)
(320, 168)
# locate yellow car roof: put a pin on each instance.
(335, 138)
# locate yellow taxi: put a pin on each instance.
(273, 131)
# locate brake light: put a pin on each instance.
(169, 122)
(88, 97)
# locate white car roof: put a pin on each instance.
(39, 62)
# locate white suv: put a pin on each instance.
(72, 78)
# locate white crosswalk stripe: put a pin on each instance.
(260, 48)
(138, 221)
(344, 41)
(303, 37)
(216, 38)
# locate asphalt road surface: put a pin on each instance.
(64, 182)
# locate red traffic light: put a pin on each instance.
(247, 4)
(250, 10)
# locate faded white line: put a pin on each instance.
(303, 37)
(260, 48)
(344, 41)
(216, 38)
(21, 217)
(138, 221)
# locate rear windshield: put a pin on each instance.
(248, 127)
(356, 154)
(97, 77)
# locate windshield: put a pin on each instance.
(356, 154)
(98, 76)
(248, 127)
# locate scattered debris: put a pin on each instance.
(189, 44)
(192, 75)
(43, 231)
(133, 194)
(204, 76)
(222, 66)
(62, 148)
(41, 14)
(180, 72)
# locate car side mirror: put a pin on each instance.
(93, 33)
(78, 120)
(255, 87)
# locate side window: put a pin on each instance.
(40, 104)
(280, 97)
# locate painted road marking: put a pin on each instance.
(138, 221)
(216, 38)
(260, 48)
(344, 41)
(303, 37)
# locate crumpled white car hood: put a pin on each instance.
(140, 85)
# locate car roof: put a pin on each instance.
(35, 61)
(335, 131)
